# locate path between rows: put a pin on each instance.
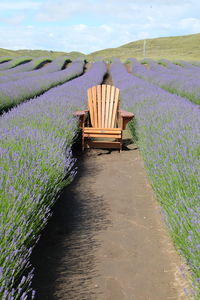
(106, 239)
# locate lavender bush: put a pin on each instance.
(14, 62)
(54, 66)
(175, 65)
(12, 93)
(168, 130)
(36, 162)
(196, 63)
(29, 66)
(184, 83)
(186, 65)
(4, 59)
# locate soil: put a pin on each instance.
(44, 65)
(107, 239)
(87, 66)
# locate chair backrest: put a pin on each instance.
(103, 104)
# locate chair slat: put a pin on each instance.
(107, 105)
(112, 94)
(101, 135)
(103, 102)
(101, 130)
(115, 108)
(99, 105)
(90, 106)
(94, 100)
(103, 94)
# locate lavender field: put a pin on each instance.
(168, 133)
(12, 93)
(179, 79)
(37, 160)
(11, 63)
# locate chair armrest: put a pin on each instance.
(125, 117)
(81, 114)
(124, 113)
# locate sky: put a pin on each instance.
(92, 25)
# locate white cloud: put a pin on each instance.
(114, 23)
(80, 27)
(190, 23)
(60, 10)
(106, 28)
(13, 20)
(19, 5)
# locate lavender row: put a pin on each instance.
(168, 131)
(36, 157)
(181, 83)
(28, 66)
(12, 93)
(175, 69)
(179, 64)
(14, 62)
(54, 66)
(4, 59)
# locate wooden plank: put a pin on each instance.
(99, 144)
(115, 108)
(94, 100)
(107, 104)
(101, 135)
(111, 106)
(106, 132)
(90, 106)
(91, 129)
(103, 95)
(99, 105)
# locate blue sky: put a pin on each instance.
(91, 25)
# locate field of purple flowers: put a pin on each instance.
(181, 80)
(36, 159)
(5, 59)
(168, 131)
(12, 93)
(32, 69)
(8, 64)
(36, 162)
(27, 66)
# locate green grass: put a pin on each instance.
(39, 53)
(179, 47)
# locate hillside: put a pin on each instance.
(185, 47)
(37, 53)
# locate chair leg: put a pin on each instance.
(120, 149)
(83, 143)
(121, 139)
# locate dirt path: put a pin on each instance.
(106, 239)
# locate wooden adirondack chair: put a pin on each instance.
(103, 119)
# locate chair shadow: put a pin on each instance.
(64, 256)
(129, 142)
(128, 145)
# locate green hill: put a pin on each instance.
(37, 53)
(185, 47)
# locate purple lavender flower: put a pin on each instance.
(168, 131)
(12, 93)
(36, 139)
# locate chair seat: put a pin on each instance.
(102, 130)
